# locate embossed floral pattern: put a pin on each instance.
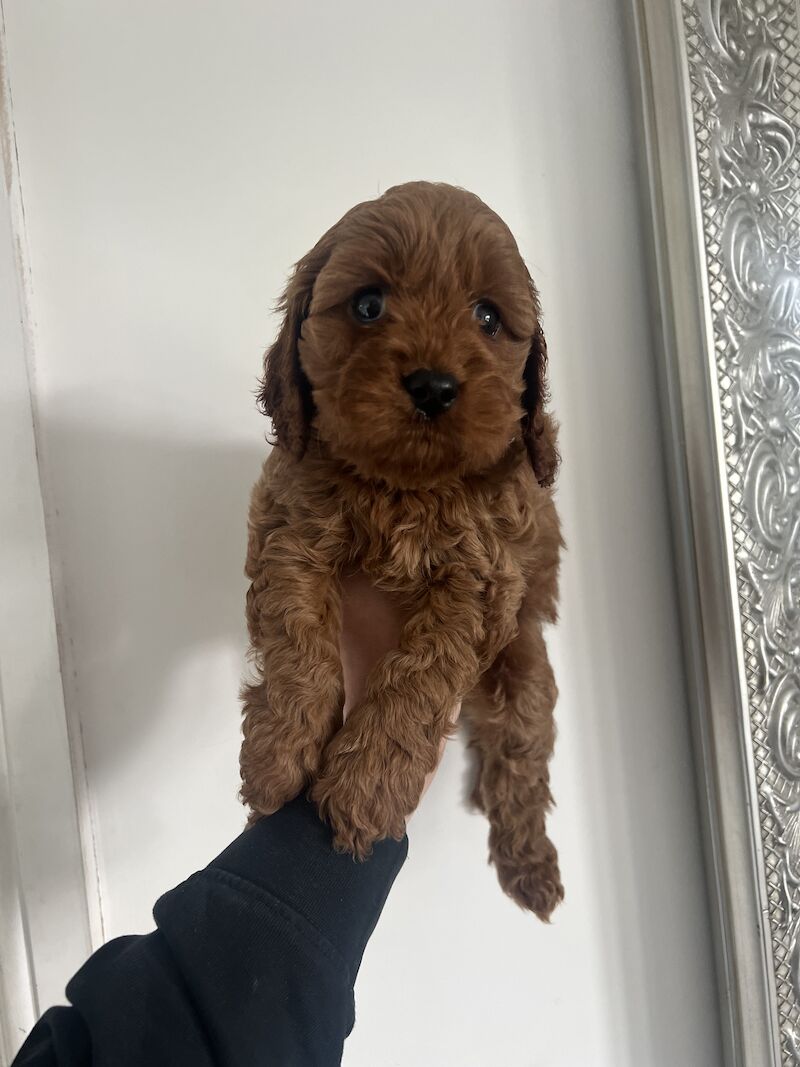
(744, 69)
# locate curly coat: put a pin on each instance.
(452, 516)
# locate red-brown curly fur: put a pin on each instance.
(453, 517)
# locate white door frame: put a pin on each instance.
(44, 904)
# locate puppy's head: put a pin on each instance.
(411, 344)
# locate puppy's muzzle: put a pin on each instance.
(431, 391)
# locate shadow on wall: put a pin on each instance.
(147, 541)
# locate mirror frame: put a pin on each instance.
(720, 104)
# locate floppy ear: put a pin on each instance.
(539, 429)
(285, 392)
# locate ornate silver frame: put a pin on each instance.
(721, 107)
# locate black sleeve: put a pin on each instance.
(253, 961)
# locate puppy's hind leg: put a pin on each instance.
(512, 730)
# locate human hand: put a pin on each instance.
(371, 627)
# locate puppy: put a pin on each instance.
(407, 389)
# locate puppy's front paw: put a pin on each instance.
(273, 773)
(363, 799)
(533, 881)
(270, 785)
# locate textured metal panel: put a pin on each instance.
(721, 82)
(744, 68)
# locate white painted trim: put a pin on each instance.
(44, 917)
(17, 994)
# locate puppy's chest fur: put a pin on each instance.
(497, 537)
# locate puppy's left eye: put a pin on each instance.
(488, 317)
(369, 305)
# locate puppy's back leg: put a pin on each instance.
(510, 721)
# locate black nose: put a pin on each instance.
(431, 391)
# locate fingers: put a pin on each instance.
(371, 627)
(372, 623)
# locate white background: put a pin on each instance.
(175, 158)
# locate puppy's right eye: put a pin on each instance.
(369, 305)
(488, 317)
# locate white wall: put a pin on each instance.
(176, 158)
